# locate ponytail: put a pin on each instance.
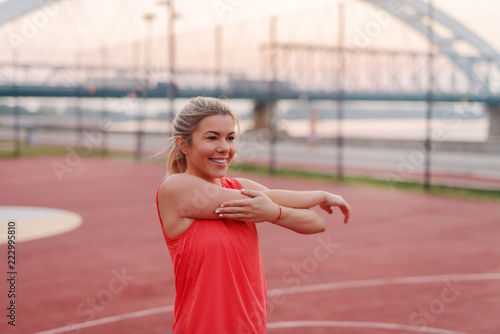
(176, 160)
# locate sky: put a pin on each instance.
(84, 25)
(87, 26)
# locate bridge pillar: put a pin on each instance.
(262, 115)
(494, 115)
(262, 120)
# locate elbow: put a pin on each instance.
(320, 225)
(316, 225)
(321, 228)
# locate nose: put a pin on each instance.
(223, 147)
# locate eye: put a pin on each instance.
(230, 138)
(212, 138)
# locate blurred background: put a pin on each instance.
(399, 90)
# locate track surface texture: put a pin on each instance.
(407, 262)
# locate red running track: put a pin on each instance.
(407, 263)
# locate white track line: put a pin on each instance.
(386, 281)
(359, 324)
(138, 314)
(299, 289)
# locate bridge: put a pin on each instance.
(293, 70)
(374, 75)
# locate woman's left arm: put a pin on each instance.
(292, 207)
(304, 221)
(260, 208)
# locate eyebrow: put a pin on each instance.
(218, 134)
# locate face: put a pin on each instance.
(212, 148)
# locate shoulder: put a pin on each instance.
(251, 185)
(171, 183)
(175, 185)
(180, 181)
(172, 193)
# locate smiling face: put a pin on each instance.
(211, 148)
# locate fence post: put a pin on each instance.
(429, 98)
(340, 89)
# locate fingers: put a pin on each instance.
(236, 203)
(344, 207)
(243, 202)
(232, 210)
(346, 210)
(225, 213)
(237, 214)
(234, 216)
(251, 193)
(328, 209)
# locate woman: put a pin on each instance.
(209, 224)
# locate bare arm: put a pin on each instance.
(184, 196)
(305, 221)
(296, 199)
(309, 199)
(188, 196)
(300, 199)
(295, 205)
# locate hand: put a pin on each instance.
(257, 208)
(336, 200)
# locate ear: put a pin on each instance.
(182, 145)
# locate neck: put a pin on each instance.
(215, 181)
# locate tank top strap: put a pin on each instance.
(230, 183)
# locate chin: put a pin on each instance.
(220, 174)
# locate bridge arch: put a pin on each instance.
(415, 13)
(11, 9)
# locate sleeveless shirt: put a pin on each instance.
(219, 276)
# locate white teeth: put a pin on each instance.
(220, 161)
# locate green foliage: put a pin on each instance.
(7, 151)
(438, 190)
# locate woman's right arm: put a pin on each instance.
(183, 198)
(187, 196)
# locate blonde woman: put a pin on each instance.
(209, 224)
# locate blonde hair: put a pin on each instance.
(185, 124)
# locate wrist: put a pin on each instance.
(278, 216)
(324, 197)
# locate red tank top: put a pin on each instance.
(219, 276)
